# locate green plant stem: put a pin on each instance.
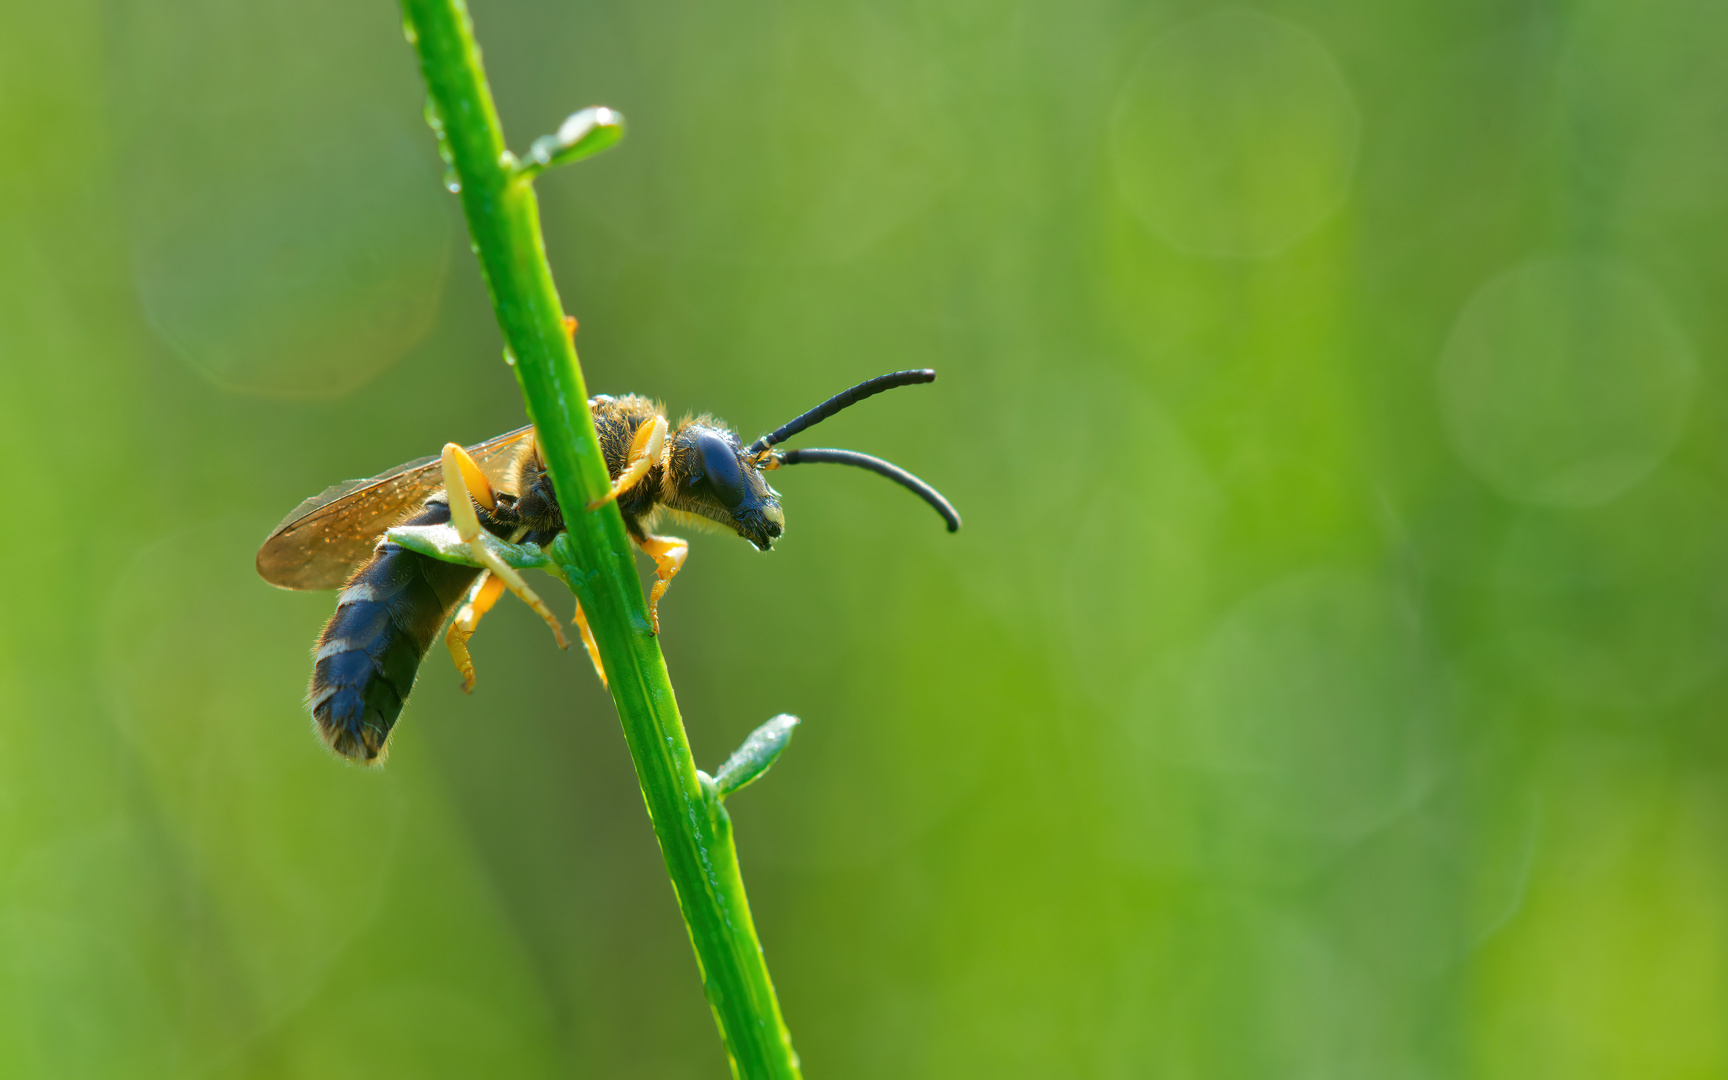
(595, 554)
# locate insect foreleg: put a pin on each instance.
(457, 466)
(668, 553)
(645, 451)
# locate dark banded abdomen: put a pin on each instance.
(387, 616)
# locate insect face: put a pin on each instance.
(712, 475)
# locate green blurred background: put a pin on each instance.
(1326, 683)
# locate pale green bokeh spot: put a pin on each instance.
(1235, 136)
(1565, 381)
(1280, 712)
(285, 240)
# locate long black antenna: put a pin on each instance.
(836, 403)
(881, 468)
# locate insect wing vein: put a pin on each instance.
(321, 541)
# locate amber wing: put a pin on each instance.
(324, 538)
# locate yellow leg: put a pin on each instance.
(668, 554)
(645, 451)
(457, 467)
(588, 643)
(486, 591)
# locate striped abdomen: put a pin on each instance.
(387, 616)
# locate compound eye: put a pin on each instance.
(720, 463)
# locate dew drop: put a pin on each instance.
(409, 34)
(509, 357)
(452, 183)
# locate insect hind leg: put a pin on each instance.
(485, 593)
(588, 642)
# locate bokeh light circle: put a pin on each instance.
(288, 233)
(1565, 381)
(270, 278)
(1314, 702)
(1235, 136)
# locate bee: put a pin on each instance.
(393, 600)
